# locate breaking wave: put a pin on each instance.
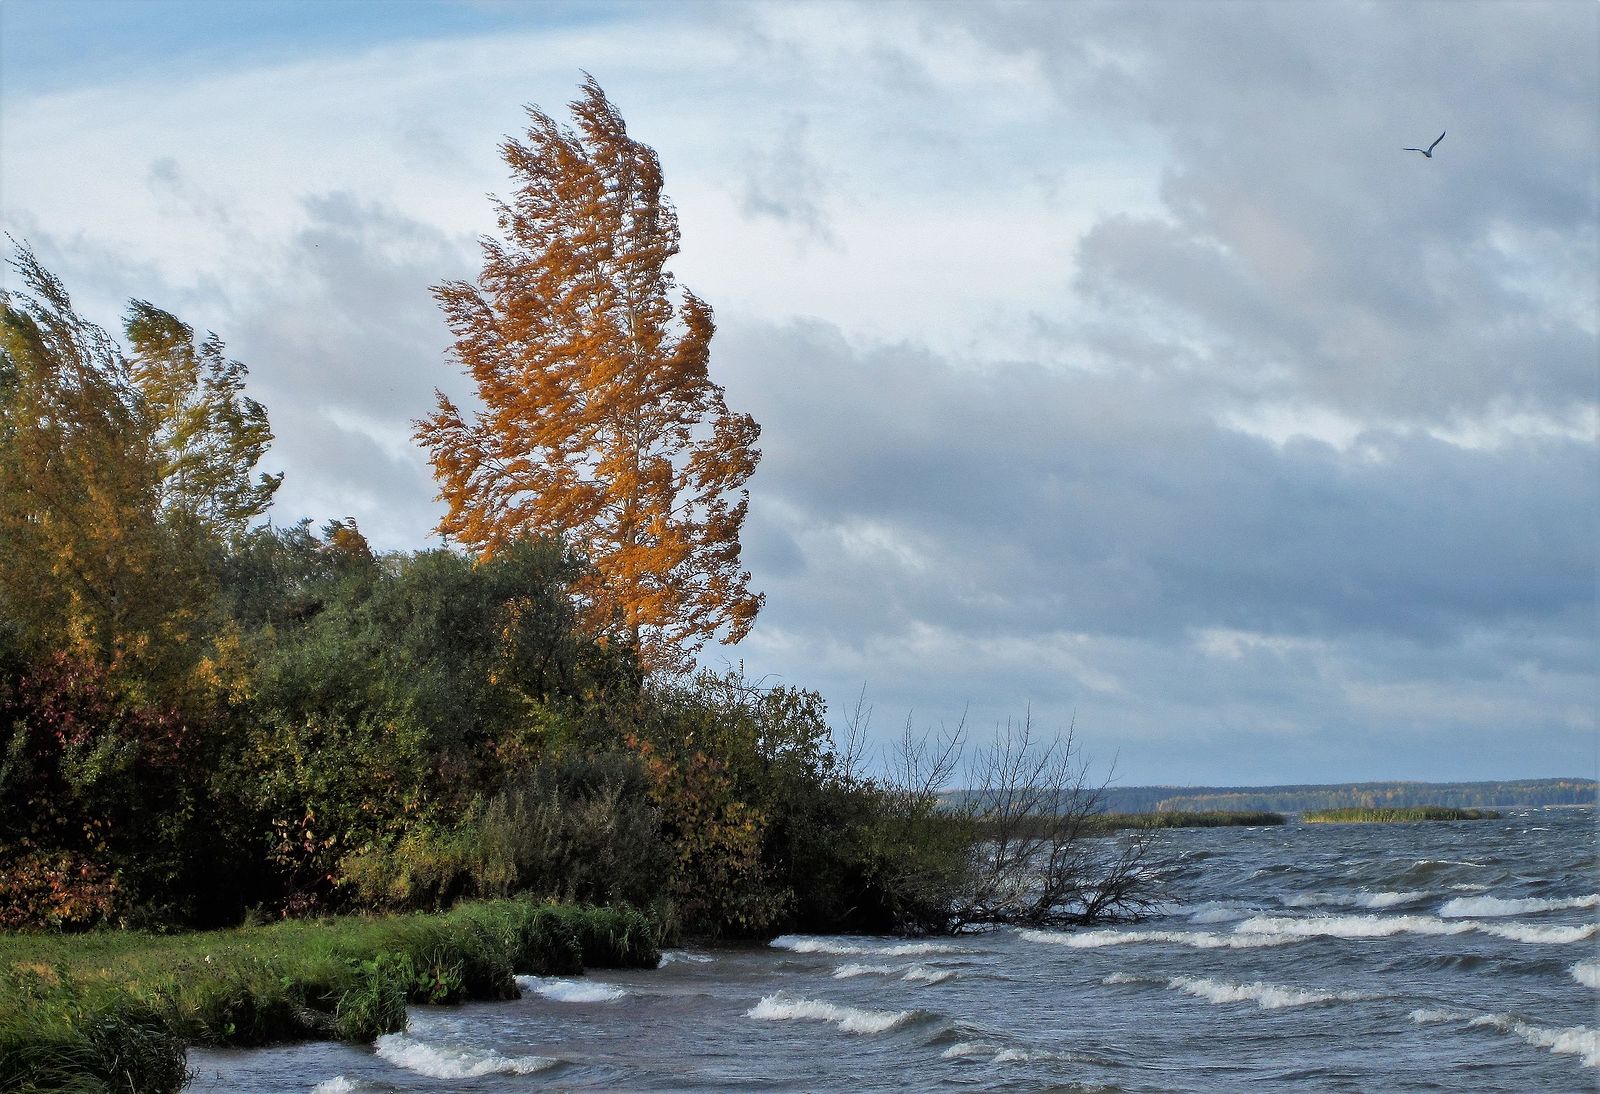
(1587, 973)
(778, 1008)
(672, 957)
(920, 974)
(1529, 932)
(439, 1062)
(1381, 899)
(838, 947)
(1265, 996)
(1200, 940)
(1351, 926)
(1489, 906)
(336, 1085)
(570, 991)
(1581, 1041)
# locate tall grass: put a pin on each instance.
(1389, 816)
(113, 1011)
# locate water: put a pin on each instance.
(1319, 958)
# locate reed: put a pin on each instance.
(1397, 815)
(113, 1011)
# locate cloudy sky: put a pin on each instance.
(1113, 362)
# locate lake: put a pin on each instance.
(1396, 957)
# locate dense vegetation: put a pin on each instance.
(1504, 794)
(1394, 816)
(114, 1010)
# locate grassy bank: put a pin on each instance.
(1392, 816)
(113, 1011)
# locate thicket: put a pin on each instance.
(203, 717)
(113, 1011)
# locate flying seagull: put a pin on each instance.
(1428, 151)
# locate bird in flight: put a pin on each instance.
(1428, 151)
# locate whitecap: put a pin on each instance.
(1529, 932)
(845, 972)
(839, 947)
(1425, 1016)
(672, 957)
(967, 1048)
(1587, 973)
(1362, 899)
(1490, 906)
(922, 974)
(336, 1085)
(1124, 978)
(1580, 1041)
(1200, 940)
(1351, 926)
(440, 1062)
(1266, 996)
(570, 991)
(1220, 912)
(778, 1008)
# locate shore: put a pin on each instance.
(115, 1010)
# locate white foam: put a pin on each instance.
(845, 972)
(570, 991)
(439, 1062)
(1529, 932)
(1490, 906)
(1580, 1041)
(336, 1085)
(1587, 973)
(922, 974)
(1124, 978)
(967, 1048)
(1200, 940)
(1266, 996)
(777, 1008)
(1351, 926)
(841, 948)
(670, 957)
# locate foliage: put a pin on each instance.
(208, 434)
(600, 424)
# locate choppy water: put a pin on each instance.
(1324, 957)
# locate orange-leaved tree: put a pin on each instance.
(599, 424)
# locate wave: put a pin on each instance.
(1580, 1041)
(840, 948)
(1266, 996)
(1489, 906)
(439, 1062)
(336, 1085)
(672, 957)
(1352, 926)
(570, 991)
(1217, 911)
(1200, 940)
(1363, 899)
(1530, 932)
(1587, 973)
(778, 1008)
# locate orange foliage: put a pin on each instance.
(600, 425)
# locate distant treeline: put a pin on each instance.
(1512, 794)
(1391, 816)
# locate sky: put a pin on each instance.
(1117, 369)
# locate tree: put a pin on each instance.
(81, 551)
(208, 434)
(599, 422)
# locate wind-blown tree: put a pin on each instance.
(208, 434)
(599, 424)
(82, 553)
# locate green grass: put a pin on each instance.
(1391, 816)
(113, 1011)
(1175, 819)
